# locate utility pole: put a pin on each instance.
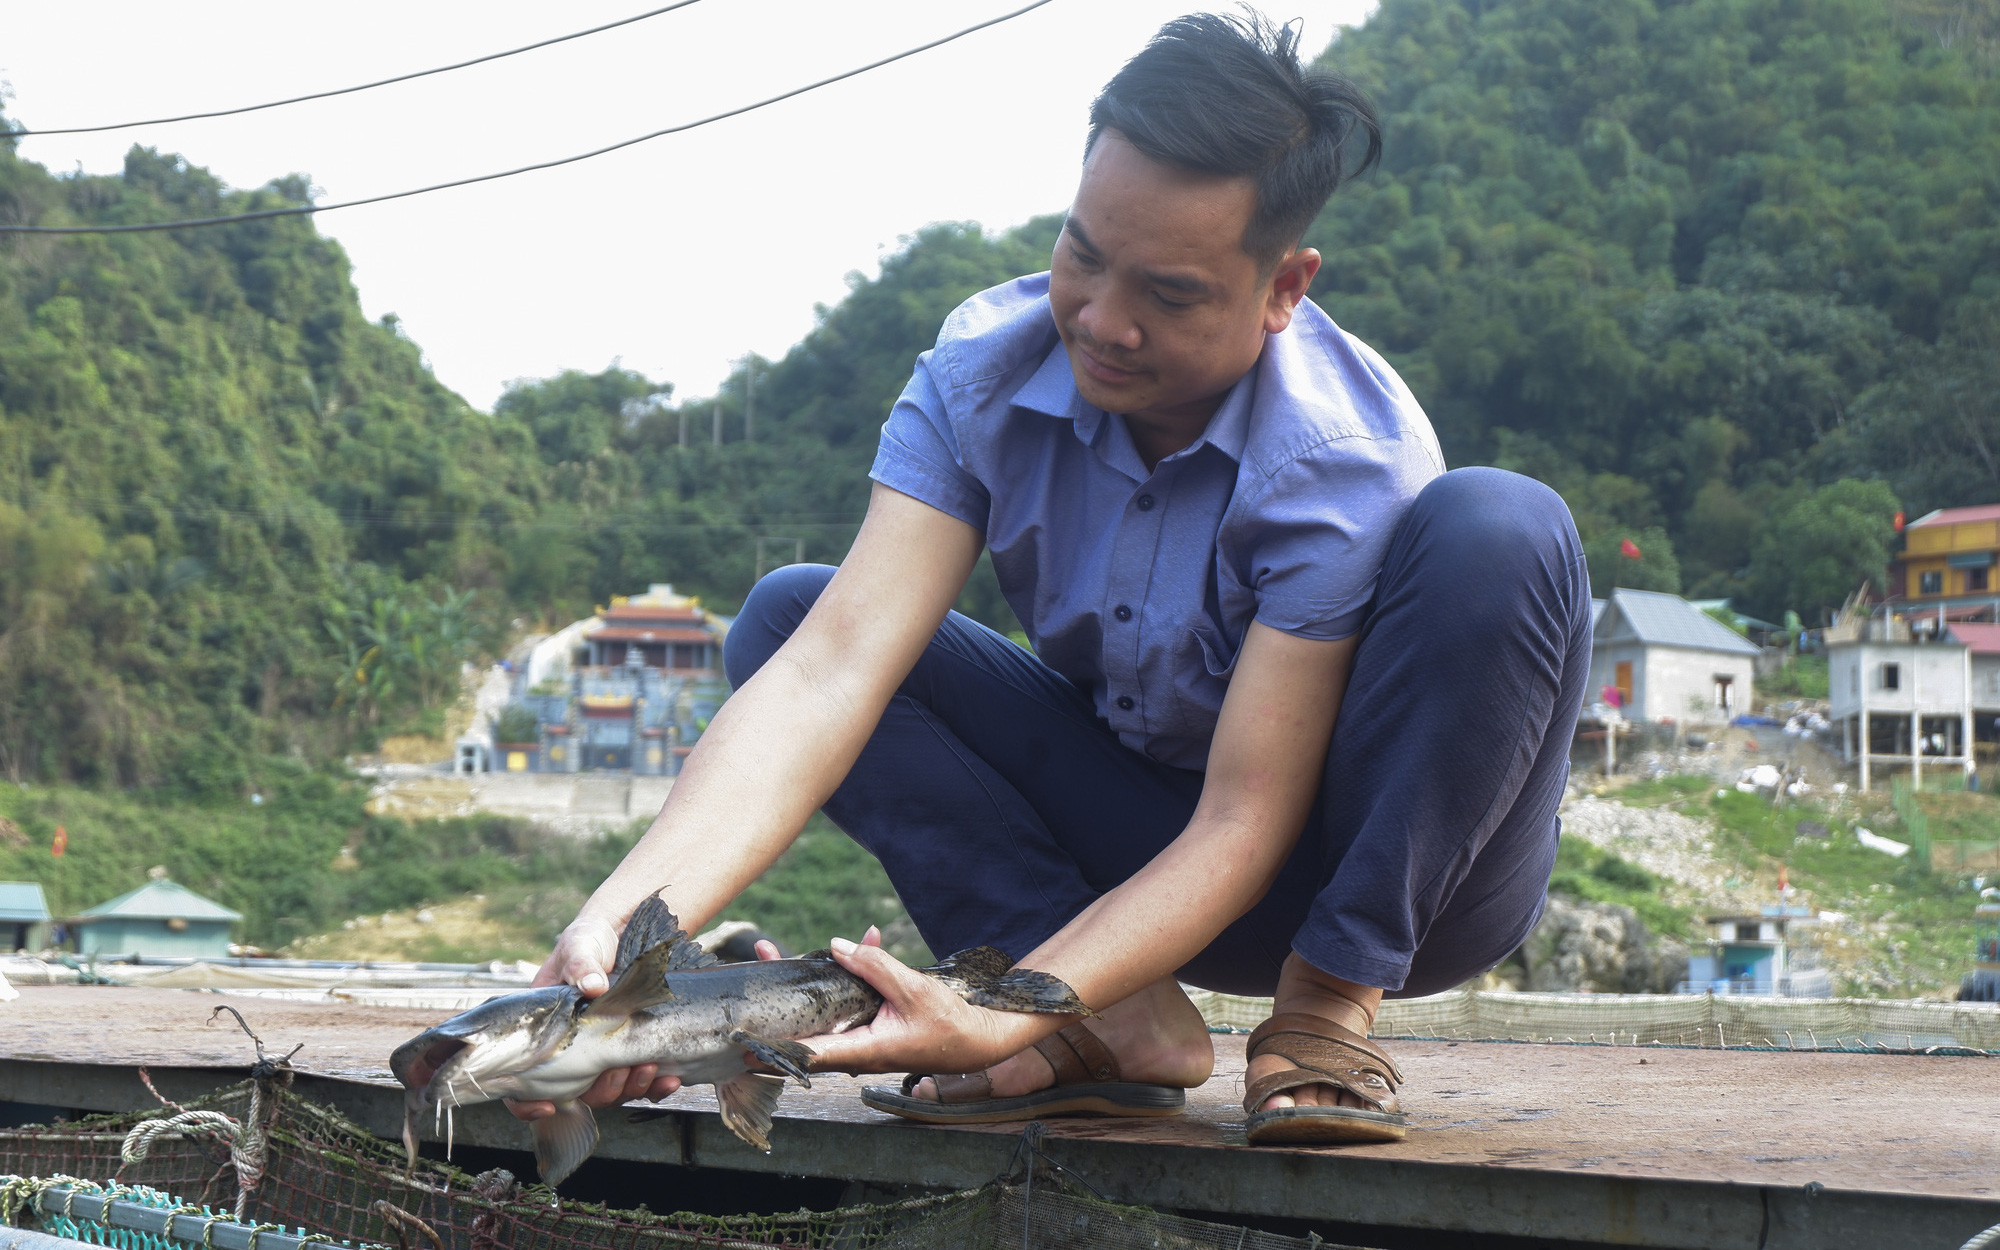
(718, 418)
(798, 555)
(750, 400)
(684, 427)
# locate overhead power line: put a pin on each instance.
(366, 86)
(304, 209)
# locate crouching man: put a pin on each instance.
(1297, 716)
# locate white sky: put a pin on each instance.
(676, 256)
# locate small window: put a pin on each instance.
(1746, 933)
(1892, 677)
(1931, 583)
(1724, 689)
(1975, 579)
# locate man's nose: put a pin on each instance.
(1108, 324)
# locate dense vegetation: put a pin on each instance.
(1693, 263)
(308, 857)
(1725, 272)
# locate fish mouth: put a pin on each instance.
(418, 1066)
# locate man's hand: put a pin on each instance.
(583, 957)
(922, 1026)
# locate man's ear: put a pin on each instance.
(1287, 285)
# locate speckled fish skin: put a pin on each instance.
(672, 1006)
(537, 1044)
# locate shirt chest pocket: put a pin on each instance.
(1205, 654)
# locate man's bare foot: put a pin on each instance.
(1157, 1036)
(1304, 988)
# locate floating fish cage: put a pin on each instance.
(261, 1168)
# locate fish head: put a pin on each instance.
(474, 1056)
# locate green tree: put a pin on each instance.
(1656, 567)
(1821, 547)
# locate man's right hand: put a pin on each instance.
(583, 957)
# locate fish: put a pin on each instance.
(673, 1004)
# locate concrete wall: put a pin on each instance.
(1986, 683)
(1933, 673)
(1604, 662)
(1666, 679)
(1681, 683)
(132, 936)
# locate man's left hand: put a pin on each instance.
(922, 1026)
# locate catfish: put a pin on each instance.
(673, 1004)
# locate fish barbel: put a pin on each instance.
(674, 1005)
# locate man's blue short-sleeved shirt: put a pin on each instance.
(1138, 585)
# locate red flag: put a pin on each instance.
(1628, 549)
(1899, 522)
(61, 844)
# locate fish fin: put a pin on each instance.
(642, 984)
(986, 977)
(654, 925)
(786, 1056)
(413, 1100)
(747, 1102)
(564, 1140)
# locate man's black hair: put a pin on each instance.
(1227, 96)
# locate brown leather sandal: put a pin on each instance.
(1326, 1054)
(1088, 1082)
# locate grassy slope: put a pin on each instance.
(1910, 930)
(309, 859)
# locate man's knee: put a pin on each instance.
(1488, 538)
(1491, 515)
(770, 615)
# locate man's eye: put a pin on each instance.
(1080, 258)
(1172, 303)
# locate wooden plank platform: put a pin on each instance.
(1610, 1145)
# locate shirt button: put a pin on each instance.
(1122, 612)
(1145, 503)
(1124, 702)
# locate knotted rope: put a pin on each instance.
(248, 1139)
(213, 1124)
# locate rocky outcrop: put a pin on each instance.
(1597, 947)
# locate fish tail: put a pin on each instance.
(986, 977)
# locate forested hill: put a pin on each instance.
(1725, 272)
(1690, 262)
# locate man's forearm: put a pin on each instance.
(1264, 769)
(769, 758)
(780, 745)
(1166, 913)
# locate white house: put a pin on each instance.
(1668, 660)
(1901, 695)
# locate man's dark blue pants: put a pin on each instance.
(1001, 806)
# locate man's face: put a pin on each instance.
(1160, 308)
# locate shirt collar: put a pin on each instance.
(1052, 390)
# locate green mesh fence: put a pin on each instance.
(332, 1180)
(1724, 1021)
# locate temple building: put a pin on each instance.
(628, 690)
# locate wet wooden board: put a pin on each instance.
(1918, 1125)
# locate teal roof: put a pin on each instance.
(21, 902)
(160, 900)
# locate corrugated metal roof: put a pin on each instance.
(160, 900)
(1596, 613)
(21, 902)
(1671, 621)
